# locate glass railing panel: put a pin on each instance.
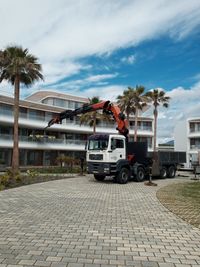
(73, 122)
(6, 137)
(193, 147)
(195, 130)
(43, 140)
(6, 112)
(142, 128)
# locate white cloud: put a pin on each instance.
(62, 32)
(108, 92)
(93, 80)
(67, 30)
(55, 71)
(6, 89)
(100, 77)
(184, 103)
(129, 60)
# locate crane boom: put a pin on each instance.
(106, 106)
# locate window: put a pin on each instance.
(78, 104)
(48, 101)
(194, 143)
(70, 104)
(6, 109)
(35, 158)
(59, 102)
(5, 130)
(98, 143)
(117, 143)
(192, 127)
(36, 114)
(23, 112)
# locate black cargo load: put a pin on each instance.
(138, 149)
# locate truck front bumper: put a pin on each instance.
(100, 168)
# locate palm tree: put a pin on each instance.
(17, 66)
(139, 104)
(94, 117)
(125, 102)
(157, 97)
(132, 101)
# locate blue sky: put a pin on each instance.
(92, 47)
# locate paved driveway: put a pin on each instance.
(81, 222)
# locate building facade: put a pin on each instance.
(39, 146)
(187, 138)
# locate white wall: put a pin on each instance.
(180, 136)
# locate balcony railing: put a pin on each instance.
(196, 130)
(195, 147)
(142, 128)
(70, 122)
(43, 140)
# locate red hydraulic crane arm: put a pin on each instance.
(119, 117)
(106, 106)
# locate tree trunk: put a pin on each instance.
(15, 155)
(136, 125)
(155, 128)
(95, 122)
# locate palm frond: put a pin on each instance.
(16, 61)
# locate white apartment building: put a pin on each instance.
(187, 138)
(39, 146)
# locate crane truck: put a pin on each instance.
(112, 154)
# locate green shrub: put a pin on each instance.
(5, 179)
(32, 173)
(8, 178)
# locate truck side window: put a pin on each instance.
(113, 144)
(117, 143)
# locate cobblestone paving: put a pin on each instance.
(79, 222)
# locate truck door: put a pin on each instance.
(118, 149)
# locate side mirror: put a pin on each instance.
(86, 145)
(113, 147)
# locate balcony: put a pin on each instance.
(142, 128)
(45, 142)
(195, 147)
(196, 130)
(40, 122)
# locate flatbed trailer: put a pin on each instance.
(165, 163)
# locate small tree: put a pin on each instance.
(61, 159)
(94, 117)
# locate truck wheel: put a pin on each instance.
(99, 177)
(163, 172)
(171, 172)
(123, 176)
(140, 174)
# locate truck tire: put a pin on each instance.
(171, 172)
(163, 172)
(123, 176)
(99, 177)
(140, 174)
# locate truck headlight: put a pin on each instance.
(106, 168)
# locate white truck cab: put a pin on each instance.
(106, 148)
(104, 152)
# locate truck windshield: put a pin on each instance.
(98, 144)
